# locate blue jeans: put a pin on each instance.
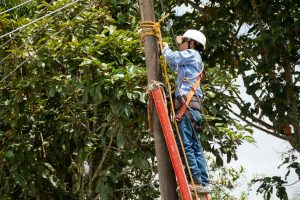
(193, 148)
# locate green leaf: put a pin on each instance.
(86, 62)
(120, 140)
(142, 97)
(249, 139)
(9, 154)
(51, 92)
(96, 61)
(53, 180)
(104, 191)
(20, 180)
(219, 160)
(111, 29)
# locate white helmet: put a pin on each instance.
(195, 35)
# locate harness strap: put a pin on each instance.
(188, 99)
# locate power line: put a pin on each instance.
(3, 12)
(24, 26)
(17, 34)
(31, 56)
(19, 47)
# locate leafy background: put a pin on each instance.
(73, 101)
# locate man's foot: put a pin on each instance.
(200, 189)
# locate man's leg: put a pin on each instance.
(186, 134)
(197, 148)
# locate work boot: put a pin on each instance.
(200, 189)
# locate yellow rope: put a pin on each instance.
(150, 28)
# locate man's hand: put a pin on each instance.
(165, 44)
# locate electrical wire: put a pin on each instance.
(26, 25)
(17, 34)
(8, 10)
(19, 47)
(37, 31)
(32, 56)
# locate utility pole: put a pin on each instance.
(167, 180)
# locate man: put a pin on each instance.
(187, 62)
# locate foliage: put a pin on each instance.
(17, 11)
(268, 184)
(73, 115)
(224, 180)
(73, 111)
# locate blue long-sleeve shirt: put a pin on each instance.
(188, 65)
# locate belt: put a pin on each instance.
(195, 102)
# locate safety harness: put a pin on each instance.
(189, 97)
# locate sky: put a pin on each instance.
(262, 159)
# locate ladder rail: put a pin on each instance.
(171, 142)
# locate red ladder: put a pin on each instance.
(164, 119)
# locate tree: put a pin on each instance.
(73, 115)
(73, 111)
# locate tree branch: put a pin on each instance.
(246, 49)
(95, 111)
(261, 27)
(84, 125)
(100, 165)
(296, 80)
(288, 185)
(256, 101)
(254, 96)
(249, 115)
(133, 188)
(201, 10)
(294, 141)
(254, 125)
